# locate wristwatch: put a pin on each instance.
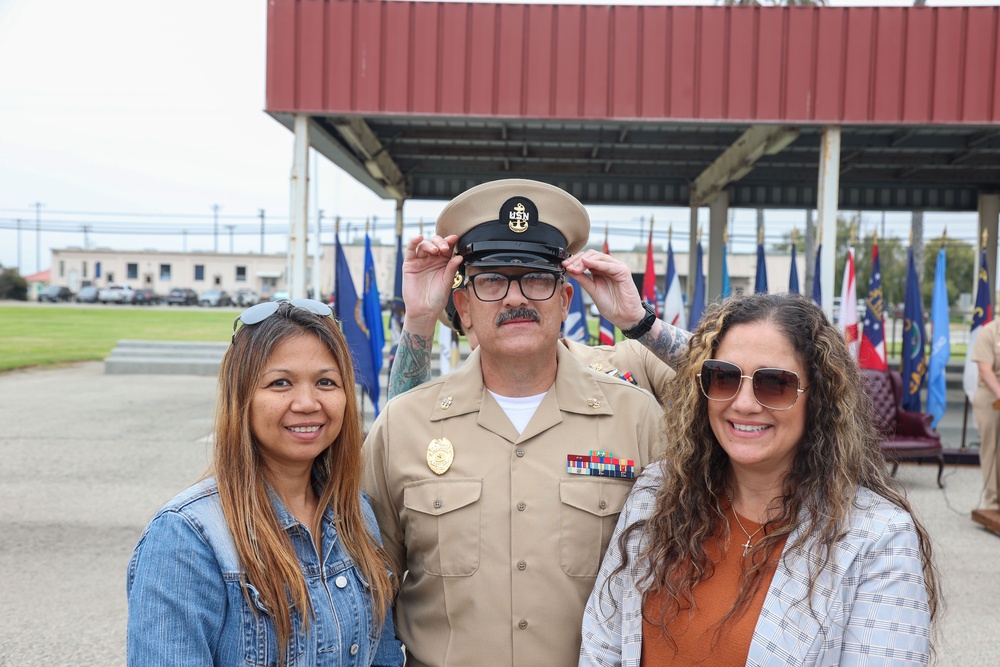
(644, 325)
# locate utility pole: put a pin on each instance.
(215, 211)
(38, 236)
(261, 213)
(86, 238)
(184, 234)
(19, 270)
(230, 228)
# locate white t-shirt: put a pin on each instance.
(519, 410)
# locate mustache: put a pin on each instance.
(519, 313)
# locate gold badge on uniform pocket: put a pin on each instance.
(440, 455)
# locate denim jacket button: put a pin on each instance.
(340, 581)
(354, 649)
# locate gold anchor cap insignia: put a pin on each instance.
(440, 455)
(518, 219)
(457, 282)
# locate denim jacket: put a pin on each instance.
(186, 603)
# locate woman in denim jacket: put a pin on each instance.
(276, 559)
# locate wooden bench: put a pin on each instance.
(907, 436)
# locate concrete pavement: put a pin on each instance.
(87, 458)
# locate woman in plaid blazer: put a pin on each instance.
(770, 532)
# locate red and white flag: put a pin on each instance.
(849, 305)
(872, 352)
(673, 305)
(649, 280)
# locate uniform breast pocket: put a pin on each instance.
(588, 513)
(443, 525)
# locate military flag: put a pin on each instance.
(914, 344)
(981, 314)
(849, 305)
(349, 311)
(940, 343)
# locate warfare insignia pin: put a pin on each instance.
(440, 455)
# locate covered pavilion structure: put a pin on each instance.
(798, 107)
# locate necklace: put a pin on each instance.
(746, 545)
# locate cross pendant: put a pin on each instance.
(746, 547)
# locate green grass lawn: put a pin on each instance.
(37, 335)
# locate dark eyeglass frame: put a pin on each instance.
(757, 379)
(259, 312)
(471, 280)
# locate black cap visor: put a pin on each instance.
(514, 254)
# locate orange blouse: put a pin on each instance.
(695, 633)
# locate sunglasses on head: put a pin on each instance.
(260, 312)
(774, 388)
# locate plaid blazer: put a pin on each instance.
(869, 606)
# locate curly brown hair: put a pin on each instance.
(839, 452)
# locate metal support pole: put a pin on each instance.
(826, 205)
(300, 209)
(20, 270)
(38, 236)
(260, 212)
(316, 256)
(718, 216)
(215, 225)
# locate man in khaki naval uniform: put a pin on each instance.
(468, 473)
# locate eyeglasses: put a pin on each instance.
(774, 388)
(535, 286)
(260, 312)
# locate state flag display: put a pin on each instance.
(914, 345)
(849, 305)
(673, 304)
(373, 319)
(698, 298)
(940, 344)
(606, 330)
(872, 352)
(817, 284)
(575, 326)
(793, 274)
(352, 322)
(981, 314)
(649, 279)
(760, 282)
(727, 286)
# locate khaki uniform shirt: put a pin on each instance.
(631, 356)
(501, 550)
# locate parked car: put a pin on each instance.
(145, 297)
(55, 293)
(246, 297)
(279, 295)
(214, 298)
(87, 294)
(116, 294)
(182, 296)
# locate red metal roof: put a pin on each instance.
(857, 65)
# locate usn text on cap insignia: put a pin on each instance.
(518, 219)
(440, 455)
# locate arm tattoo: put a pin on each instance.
(670, 345)
(412, 365)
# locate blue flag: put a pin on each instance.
(373, 319)
(352, 322)
(793, 275)
(914, 345)
(940, 344)
(398, 308)
(727, 287)
(575, 326)
(981, 314)
(760, 283)
(872, 351)
(817, 285)
(698, 298)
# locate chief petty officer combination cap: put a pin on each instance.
(516, 222)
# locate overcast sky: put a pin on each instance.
(151, 111)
